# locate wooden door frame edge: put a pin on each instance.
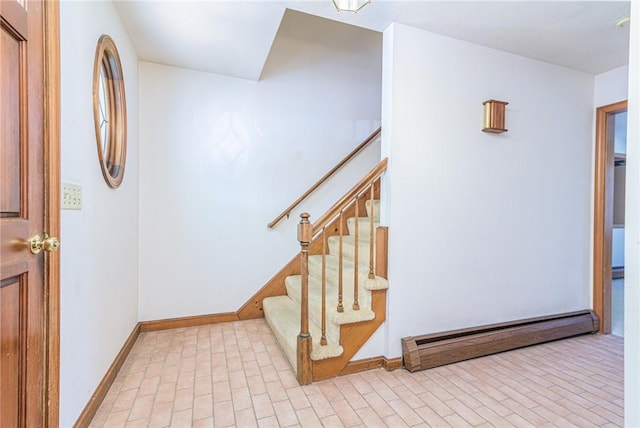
(51, 173)
(602, 225)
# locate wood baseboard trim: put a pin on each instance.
(437, 349)
(362, 365)
(193, 321)
(96, 399)
(372, 363)
(391, 364)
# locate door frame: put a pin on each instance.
(603, 216)
(51, 174)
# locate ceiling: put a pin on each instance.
(234, 37)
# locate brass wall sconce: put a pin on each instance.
(494, 114)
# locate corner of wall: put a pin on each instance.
(632, 228)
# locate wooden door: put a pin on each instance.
(26, 337)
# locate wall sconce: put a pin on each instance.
(494, 114)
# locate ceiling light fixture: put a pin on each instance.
(623, 21)
(350, 5)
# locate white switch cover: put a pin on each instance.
(71, 196)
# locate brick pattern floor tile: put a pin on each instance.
(234, 374)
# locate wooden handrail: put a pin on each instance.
(334, 211)
(333, 170)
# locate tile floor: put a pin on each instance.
(234, 374)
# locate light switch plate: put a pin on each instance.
(71, 196)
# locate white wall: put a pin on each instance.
(611, 87)
(99, 253)
(632, 217)
(221, 157)
(483, 228)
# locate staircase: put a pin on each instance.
(345, 300)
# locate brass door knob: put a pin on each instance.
(50, 243)
(47, 243)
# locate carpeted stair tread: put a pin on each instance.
(334, 318)
(283, 316)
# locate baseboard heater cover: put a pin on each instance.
(433, 350)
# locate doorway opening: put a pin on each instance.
(608, 248)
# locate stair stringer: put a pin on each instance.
(358, 334)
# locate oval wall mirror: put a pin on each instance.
(109, 111)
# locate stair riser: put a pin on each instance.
(280, 307)
(348, 249)
(274, 319)
(348, 274)
(315, 304)
(363, 226)
(376, 209)
(292, 285)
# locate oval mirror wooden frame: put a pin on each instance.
(110, 111)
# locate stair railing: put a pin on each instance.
(324, 178)
(349, 203)
(304, 338)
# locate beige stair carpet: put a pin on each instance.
(283, 312)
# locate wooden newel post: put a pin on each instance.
(305, 232)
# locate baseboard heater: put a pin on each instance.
(433, 350)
